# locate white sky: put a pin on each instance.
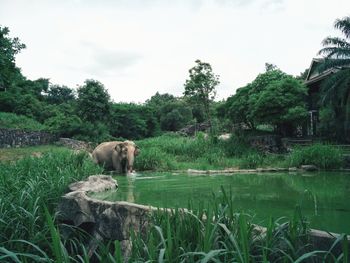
(138, 47)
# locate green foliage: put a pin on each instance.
(9, 48)
(93, 101)
(215, 232)
(14, 121)
(154, 159)
(64, 125)
(281, 102)
(273, 98)
(335, 91)
(95, 132)
(251, 160)
(200, 86)
(59, 94)
(323, 156)
(236, 108)
(133, 121)
(175, 116)
(236, 146)
(29, 185)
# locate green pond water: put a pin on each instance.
(324, 197)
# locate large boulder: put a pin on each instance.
(103, 220)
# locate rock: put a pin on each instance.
(103, 220)
(309, 167)
(194, 128)
(292, 169)
(224, 137)
(94, 183)
(76, 144)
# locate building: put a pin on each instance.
(313, 81)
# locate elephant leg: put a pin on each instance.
(117, 165)
(124, 166)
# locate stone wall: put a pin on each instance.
(20, 138)
(267, 143)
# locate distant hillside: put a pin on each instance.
(14, 121)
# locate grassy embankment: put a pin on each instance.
(173, 152)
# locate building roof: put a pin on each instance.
(314, 75)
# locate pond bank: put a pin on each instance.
(303, 168)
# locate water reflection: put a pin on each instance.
(130, 194)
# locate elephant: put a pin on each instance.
(116, 155)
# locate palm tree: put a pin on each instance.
(336, 90)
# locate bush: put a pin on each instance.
(14, 121)
(323, 156)
(236, 146)
(153, 158)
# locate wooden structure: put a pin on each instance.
(313, 81)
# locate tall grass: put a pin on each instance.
(215, 232)
(323, 156)
(28, 185)
(172, 151)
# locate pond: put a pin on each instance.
(324, 197)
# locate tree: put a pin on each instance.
(93, 101)
(236, 108)
(336, 90)
(201, 86)
(272, 98)
(175, 115)
(282, 104)
(9, 48)
(59, 94)
(128, 121)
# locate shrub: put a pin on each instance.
(323, 156)
(152, 158)
(236, 146)
(14, 121)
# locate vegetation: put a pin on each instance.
(322, 156)
(273, 98)
(29, 231)
(29, 186)
(14, 154)
(201, 86)
(14, 121)
(228, 237)
(335, 96)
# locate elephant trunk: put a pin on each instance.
(130, 162)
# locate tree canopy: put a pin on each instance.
(273, 98)
(200, 86)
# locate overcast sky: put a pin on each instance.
(138, 47)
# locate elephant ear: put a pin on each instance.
(137, 150)
(119, 147)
